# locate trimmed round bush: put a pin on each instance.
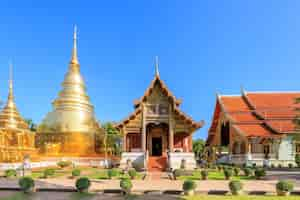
(49, 172)
(132, 173)
(279, 165)
(189, 185)
(284, 187)
(26, 184)
(236, 171)
(290, 165)
(63, 164)
(112, 173)
(204, 174)
(248, 171)
(228, 173)
(126, 185)
(272, 166)
(82, 184)
(76, 172)
(235, 187)
(9, 173)
(259, 173)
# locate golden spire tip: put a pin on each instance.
(74, 59)
(156, 66)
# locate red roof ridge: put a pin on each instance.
(272, 92)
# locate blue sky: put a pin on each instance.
(204, 47)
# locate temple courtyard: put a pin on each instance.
(150, 185)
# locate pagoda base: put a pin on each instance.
(16, 154)
(66, 144)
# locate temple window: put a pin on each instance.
(157, 109)
(163, 109)
(151, 109)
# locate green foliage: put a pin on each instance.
(297, 159)
(32, 126)
(235, 187)
(112, 173)
(259, 173)
(279, 165)
(248, 171)
(204, 174)
(48, 172)
(76, 172)
(63, 164)
(83, 184)
(26, 183)
(236, 171)
(290, 165)
(228, 173)
(112, 139)
(198, 147)
(10, 173)
(132, 173)
(126, 184)
(189, 185)
(285, 186)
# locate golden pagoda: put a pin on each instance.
(16, 139)
(70, 129)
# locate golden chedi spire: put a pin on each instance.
(72, 121)
(9, 116)
(72, 108)
(156, 67)
(74, 58)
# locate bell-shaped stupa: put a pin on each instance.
(16, 139)
(71, 127)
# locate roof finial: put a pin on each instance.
(243, 91)
(156, 66)
(74, 59)
(10, 92)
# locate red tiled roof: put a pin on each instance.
(259, 114)
(253, 130)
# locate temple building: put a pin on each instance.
(16, 139)
(254, 128)
(71, 128)
(158, 134)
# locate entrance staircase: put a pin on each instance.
(157, 163)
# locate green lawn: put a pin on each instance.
(213, 175)
(102, 174)
(90, 172)
(212, 197)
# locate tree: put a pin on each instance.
(112, 139)
(32, 126)
(198, 147)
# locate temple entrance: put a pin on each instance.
(156, 146)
